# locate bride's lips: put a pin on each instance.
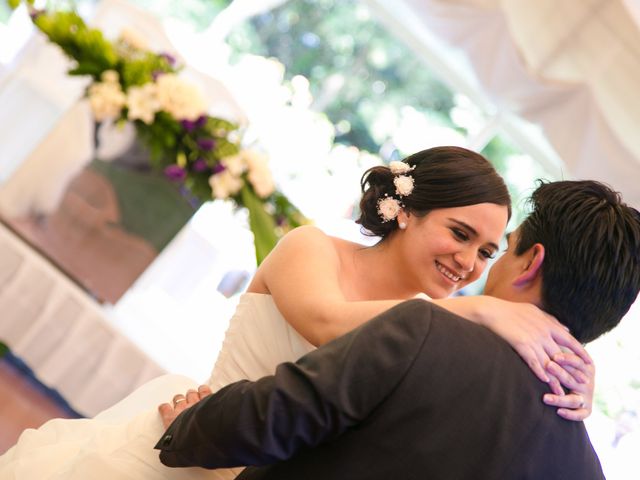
(451, 275)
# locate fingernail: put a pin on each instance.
(547, 398)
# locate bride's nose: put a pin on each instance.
(466, 259)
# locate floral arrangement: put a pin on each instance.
(201, 153)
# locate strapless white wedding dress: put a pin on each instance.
(118, 443)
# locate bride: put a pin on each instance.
(440, 214)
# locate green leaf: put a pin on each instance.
(261, 223)
(85, 45)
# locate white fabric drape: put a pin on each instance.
(570, 67)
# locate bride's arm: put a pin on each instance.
(303, 275)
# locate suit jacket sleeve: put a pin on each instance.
(305, 403)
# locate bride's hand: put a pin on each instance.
(579, 377)
(169, 411)
(534, 334)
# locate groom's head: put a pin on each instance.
(577, 256)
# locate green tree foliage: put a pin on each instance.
(357, 70)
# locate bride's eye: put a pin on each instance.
(460, 234)
(488, 254)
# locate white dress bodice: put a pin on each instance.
(257, 340)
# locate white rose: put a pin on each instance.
(180, 99)
(388, 208)
(236, 164)
(259, 173)
(398, 168)
(404, 185)
(143, 103)
(106, 100)
(133, 39)
(110, 76)
(224, 184)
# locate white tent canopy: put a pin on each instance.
(568, 66)
(571, 67)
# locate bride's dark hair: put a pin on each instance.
(444, 177)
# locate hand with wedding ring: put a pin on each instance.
(579, 377)
(169, 412)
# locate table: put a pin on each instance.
(63, 335)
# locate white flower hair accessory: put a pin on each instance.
(404, 185)
(388, 208)
(398, 168)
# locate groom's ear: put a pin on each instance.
(533, 259)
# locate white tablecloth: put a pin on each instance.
(63, 335)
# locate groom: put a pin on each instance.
(418, 392)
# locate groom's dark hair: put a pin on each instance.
(591, 269)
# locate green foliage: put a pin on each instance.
(140, 67)
(261, 223)
(88, 47)
(13, 4)
(161, 137)
(357, 70)
(285, 212)
(3, 349)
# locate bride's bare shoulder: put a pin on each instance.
(311, 239)
(306, 238)
(303, 249)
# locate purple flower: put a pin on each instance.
(206, 144)
(157, 73)
(171, 60)
(191, 125)
(175, 172)
(188, 125)
(200, 165)
(34, 13)
(218, 168)
(201, 121)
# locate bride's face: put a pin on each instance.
(450, 247)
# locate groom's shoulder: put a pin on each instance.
(448, 327)
(419, 311)
(422, 319)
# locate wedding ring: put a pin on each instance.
(179, 398)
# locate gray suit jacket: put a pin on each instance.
(416, 393)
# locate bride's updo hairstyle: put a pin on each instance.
(443, 177)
